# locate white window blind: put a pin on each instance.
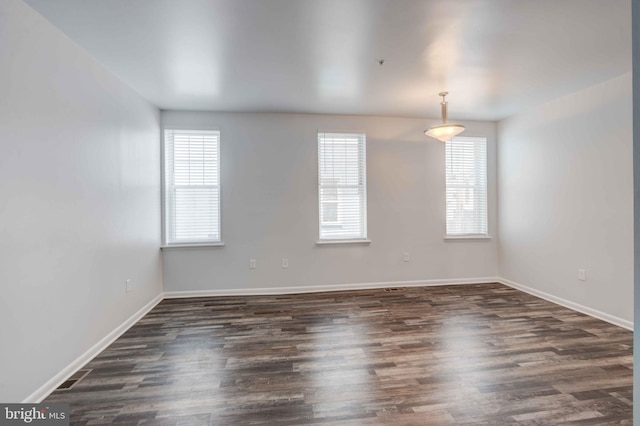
(466, 181)
(342, 185)
(192, 186)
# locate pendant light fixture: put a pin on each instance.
(445, 131)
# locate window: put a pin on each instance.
(466, 181)
(192, 186)
(342, 186)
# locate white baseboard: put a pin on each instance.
(322, 288)
(53, 383)
(568, 304)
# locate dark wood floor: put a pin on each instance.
(475, 354)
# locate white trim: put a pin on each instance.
(344, 132)
(323, 288)
(467, 237)
(568, 304)
(52, 384)
(181, 246)
(479, 167)
(163, 186)
(330, 242)
(192, 129)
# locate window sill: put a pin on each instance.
(332, 242)
(191, 246)
(468, 237)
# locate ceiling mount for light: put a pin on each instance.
(445, 131)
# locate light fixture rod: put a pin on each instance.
(443, 106)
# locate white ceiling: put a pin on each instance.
(495, 57)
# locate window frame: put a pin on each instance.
(166, 244)
(362, 171)
(469, 236)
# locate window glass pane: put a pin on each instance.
(342, 185)
(192, 186)
(466, 186)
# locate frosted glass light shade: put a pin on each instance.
(445, 132)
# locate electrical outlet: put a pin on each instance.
(252, 264)
(582, 275)
(405, 257)
(285, 263)
(128, 286)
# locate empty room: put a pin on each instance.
(332, 212)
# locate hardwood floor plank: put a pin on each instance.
(473, 354)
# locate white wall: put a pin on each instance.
(270, 206)
(566, 197)
(79, 201)
(635, 16)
